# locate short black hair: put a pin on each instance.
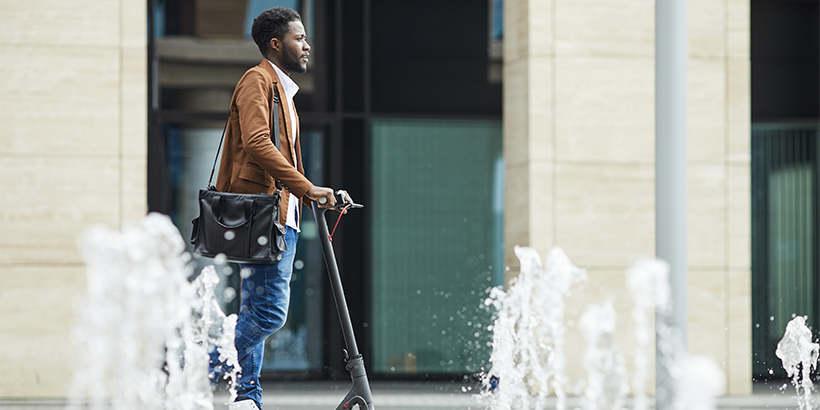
(272, 23)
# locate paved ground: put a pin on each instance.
(413, 396)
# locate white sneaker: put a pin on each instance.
(243, 405)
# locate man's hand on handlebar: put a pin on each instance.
(318, 193)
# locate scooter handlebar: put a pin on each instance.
(340, 201)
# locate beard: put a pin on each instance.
(292, 63)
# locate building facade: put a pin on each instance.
(459, 151)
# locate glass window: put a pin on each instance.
(784, 236)
(437, 214)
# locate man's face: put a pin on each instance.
(295, 49)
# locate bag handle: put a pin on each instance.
(275, 140)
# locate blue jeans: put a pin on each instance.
(264, 309)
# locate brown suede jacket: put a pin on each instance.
(250, 162)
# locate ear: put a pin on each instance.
(275, 44)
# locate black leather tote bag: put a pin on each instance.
(243, 227)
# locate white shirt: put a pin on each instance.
(291, 88)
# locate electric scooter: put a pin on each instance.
(354, 363)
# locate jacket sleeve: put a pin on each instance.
(253, 96)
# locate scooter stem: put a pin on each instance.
(354, 363)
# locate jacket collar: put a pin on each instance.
(268, 68)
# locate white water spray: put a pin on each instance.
(607, 382)
(799, 356)
(143, 331)
(528, 339)
(648, 284)
(528, 334)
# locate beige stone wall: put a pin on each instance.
(579, 151)
(73, 96)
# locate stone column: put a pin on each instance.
(579, 152)
(73, 96)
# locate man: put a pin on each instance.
(252, 164)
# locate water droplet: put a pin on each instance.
(308, 292)
(227, 271)
(245, 273)
(771, 318)
(260, 290)
(263, 240)
(298, 264)
(229, 294)
(229, 235)
(220, 259)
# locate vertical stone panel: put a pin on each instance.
(605, 110)
(707, 314)
(706, 110)
(73, 96)
(739, 111)
(36, 305)
(739, 357)
(706, 216)
(605, 213)
(605, 28)
(738, 29)
(706, 28)
(602, 154)
(59, 22)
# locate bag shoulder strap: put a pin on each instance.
(275, 140)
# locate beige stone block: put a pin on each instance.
(739, 111)
(134, 102)
(605, 109)
(516, 30)
(604, 285)
(739, 217)
(706, 298)
(706, 215)
(739, 366)
(528, 216)
(516, 112)
(134, 200)
(541, 15)
(528, 119)
(706, 28)
(738, 30)
(36, 317)
(58, 22)
(134, 23)
(48, 201)
(62, 101)
(542, 204)
(605, 28)
(516, 213)
(605, 212)
(540, 110)
(706, 110)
